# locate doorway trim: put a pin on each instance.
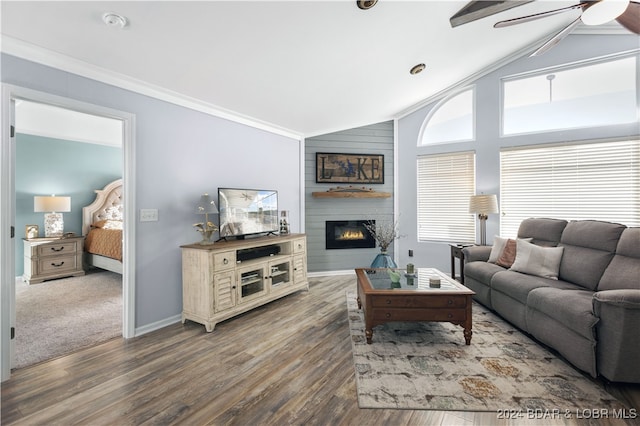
(10, 94)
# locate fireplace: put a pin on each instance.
(347, 234)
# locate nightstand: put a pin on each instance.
(49, 258)
(456, 252)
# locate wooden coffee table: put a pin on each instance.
(412, 299)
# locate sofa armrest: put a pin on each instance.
(618, 348)
(624, 298)
(476, 253)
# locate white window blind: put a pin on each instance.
(445, 184)
(599, 181)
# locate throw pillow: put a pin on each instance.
(535, 260)
(508, 254)
(497, 248)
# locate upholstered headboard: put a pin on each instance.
(107, 205)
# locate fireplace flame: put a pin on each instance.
(351, 235)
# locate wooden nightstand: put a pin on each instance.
(49, 258)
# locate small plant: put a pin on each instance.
(383, 232)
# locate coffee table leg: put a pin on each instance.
(369, 334)
(359, 303)
(467, 335)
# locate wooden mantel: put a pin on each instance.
(351, 192)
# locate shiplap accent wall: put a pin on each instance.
(372, 139)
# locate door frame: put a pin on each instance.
(11, 93)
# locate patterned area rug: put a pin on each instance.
(428, 366)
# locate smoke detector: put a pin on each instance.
(115, 20)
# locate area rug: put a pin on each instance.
(428, 366)
(60, 316)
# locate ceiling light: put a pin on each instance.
(112, 19)
(366, 4)
(603, 11)
(417, 69)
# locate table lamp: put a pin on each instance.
(206, 206)
(483, 205)
(53, 207)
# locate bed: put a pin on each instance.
(102, 223)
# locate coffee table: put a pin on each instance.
(412, 299)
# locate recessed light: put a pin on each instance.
(112, 19)
(417, 69)
(366, 4)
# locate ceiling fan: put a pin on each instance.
(593, 12)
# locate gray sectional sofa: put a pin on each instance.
(590, 313)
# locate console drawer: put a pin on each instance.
(56, 249)
(224, 260)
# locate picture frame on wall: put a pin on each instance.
(349, 168)
(31, 231)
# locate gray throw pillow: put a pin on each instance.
(535, 260)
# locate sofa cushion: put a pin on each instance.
(543, 231)
(518, 285)
(589, 246)
(540, 261)
(573, 308)
(481, 271)
(624, 270)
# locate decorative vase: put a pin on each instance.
(206, 237)
(383, 260)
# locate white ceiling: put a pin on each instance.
(308, 68)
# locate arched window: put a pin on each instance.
(451, 120)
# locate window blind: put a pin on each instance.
(599, 181)
(445, 184)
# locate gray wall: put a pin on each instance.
(46, 166)
(489, 142)
(372, 139)
(180, 154)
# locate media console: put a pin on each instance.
(222, 280)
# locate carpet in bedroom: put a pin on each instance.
(60, 316)
(427, 366)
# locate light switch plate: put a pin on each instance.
(148, 215)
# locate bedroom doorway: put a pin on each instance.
(11, 96)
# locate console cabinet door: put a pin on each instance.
(299, 269)
(280, 274)
(252, 282)
(224, 285)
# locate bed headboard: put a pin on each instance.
(107, 205)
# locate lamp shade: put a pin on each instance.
(601, 12)
(206, 205)
(483, 204)
(51, 204)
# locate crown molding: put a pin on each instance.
(37, 54)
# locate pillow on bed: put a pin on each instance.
(108, 224)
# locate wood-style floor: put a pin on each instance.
(288, 362)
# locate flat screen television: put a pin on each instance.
(247, 212)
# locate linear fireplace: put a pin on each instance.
(346, 234)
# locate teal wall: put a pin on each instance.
(46, 166)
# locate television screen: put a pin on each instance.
(247, 211)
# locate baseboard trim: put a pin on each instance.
(139, 331)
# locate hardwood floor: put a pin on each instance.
(288, 362)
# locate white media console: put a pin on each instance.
(222, 280)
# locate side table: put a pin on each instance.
(49, 258)
(456, 252)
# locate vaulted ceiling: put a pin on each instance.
(305, 67)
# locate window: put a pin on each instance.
(445, 183)
(596, 94)
(450, 121)
(598, 181)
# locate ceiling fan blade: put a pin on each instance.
(556, 38)
(630, 18)
(479, 9)
(528, 18)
